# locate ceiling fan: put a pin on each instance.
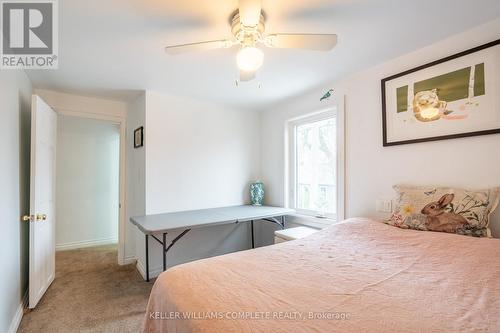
(248, 29)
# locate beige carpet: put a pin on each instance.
(91, 293)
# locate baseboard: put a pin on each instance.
(16, 321)
(153, 272)
(128, 260)
(81, 244)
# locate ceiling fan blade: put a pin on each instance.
(250, 11)
(247, 75)
(201, 46)
(317, 42)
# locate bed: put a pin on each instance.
(356, 276)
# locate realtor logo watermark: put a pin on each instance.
(29, 38)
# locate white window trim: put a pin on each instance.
(310, 217)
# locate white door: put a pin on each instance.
(42, 199)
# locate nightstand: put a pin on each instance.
(281, 236)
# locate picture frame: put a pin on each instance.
(453, 97)
(139, 137)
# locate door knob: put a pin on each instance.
(27, 218)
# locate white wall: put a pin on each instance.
(198, 155)
(371, 168)
(136, 173)
(15, 107)
(88, 162)
(64, 102)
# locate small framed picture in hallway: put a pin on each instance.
(138, 137)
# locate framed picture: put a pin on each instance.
(138, 137)
(454, 97)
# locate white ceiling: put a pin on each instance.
(113, 48)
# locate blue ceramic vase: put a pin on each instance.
(257, 193)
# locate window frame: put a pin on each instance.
(335, 111)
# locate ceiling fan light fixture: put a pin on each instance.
(249, 58)
(248, 28)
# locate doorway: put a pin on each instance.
(43, 190)
(87, 182)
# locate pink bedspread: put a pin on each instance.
(357, 276)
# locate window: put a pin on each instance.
(313, 165)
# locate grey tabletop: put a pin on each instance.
(192, 219)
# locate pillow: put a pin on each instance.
(444, 209)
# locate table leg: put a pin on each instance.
(253, 240)
(164, 251)
(147, 258)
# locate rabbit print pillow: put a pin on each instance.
(444, 209)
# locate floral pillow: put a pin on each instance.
(445, 209)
